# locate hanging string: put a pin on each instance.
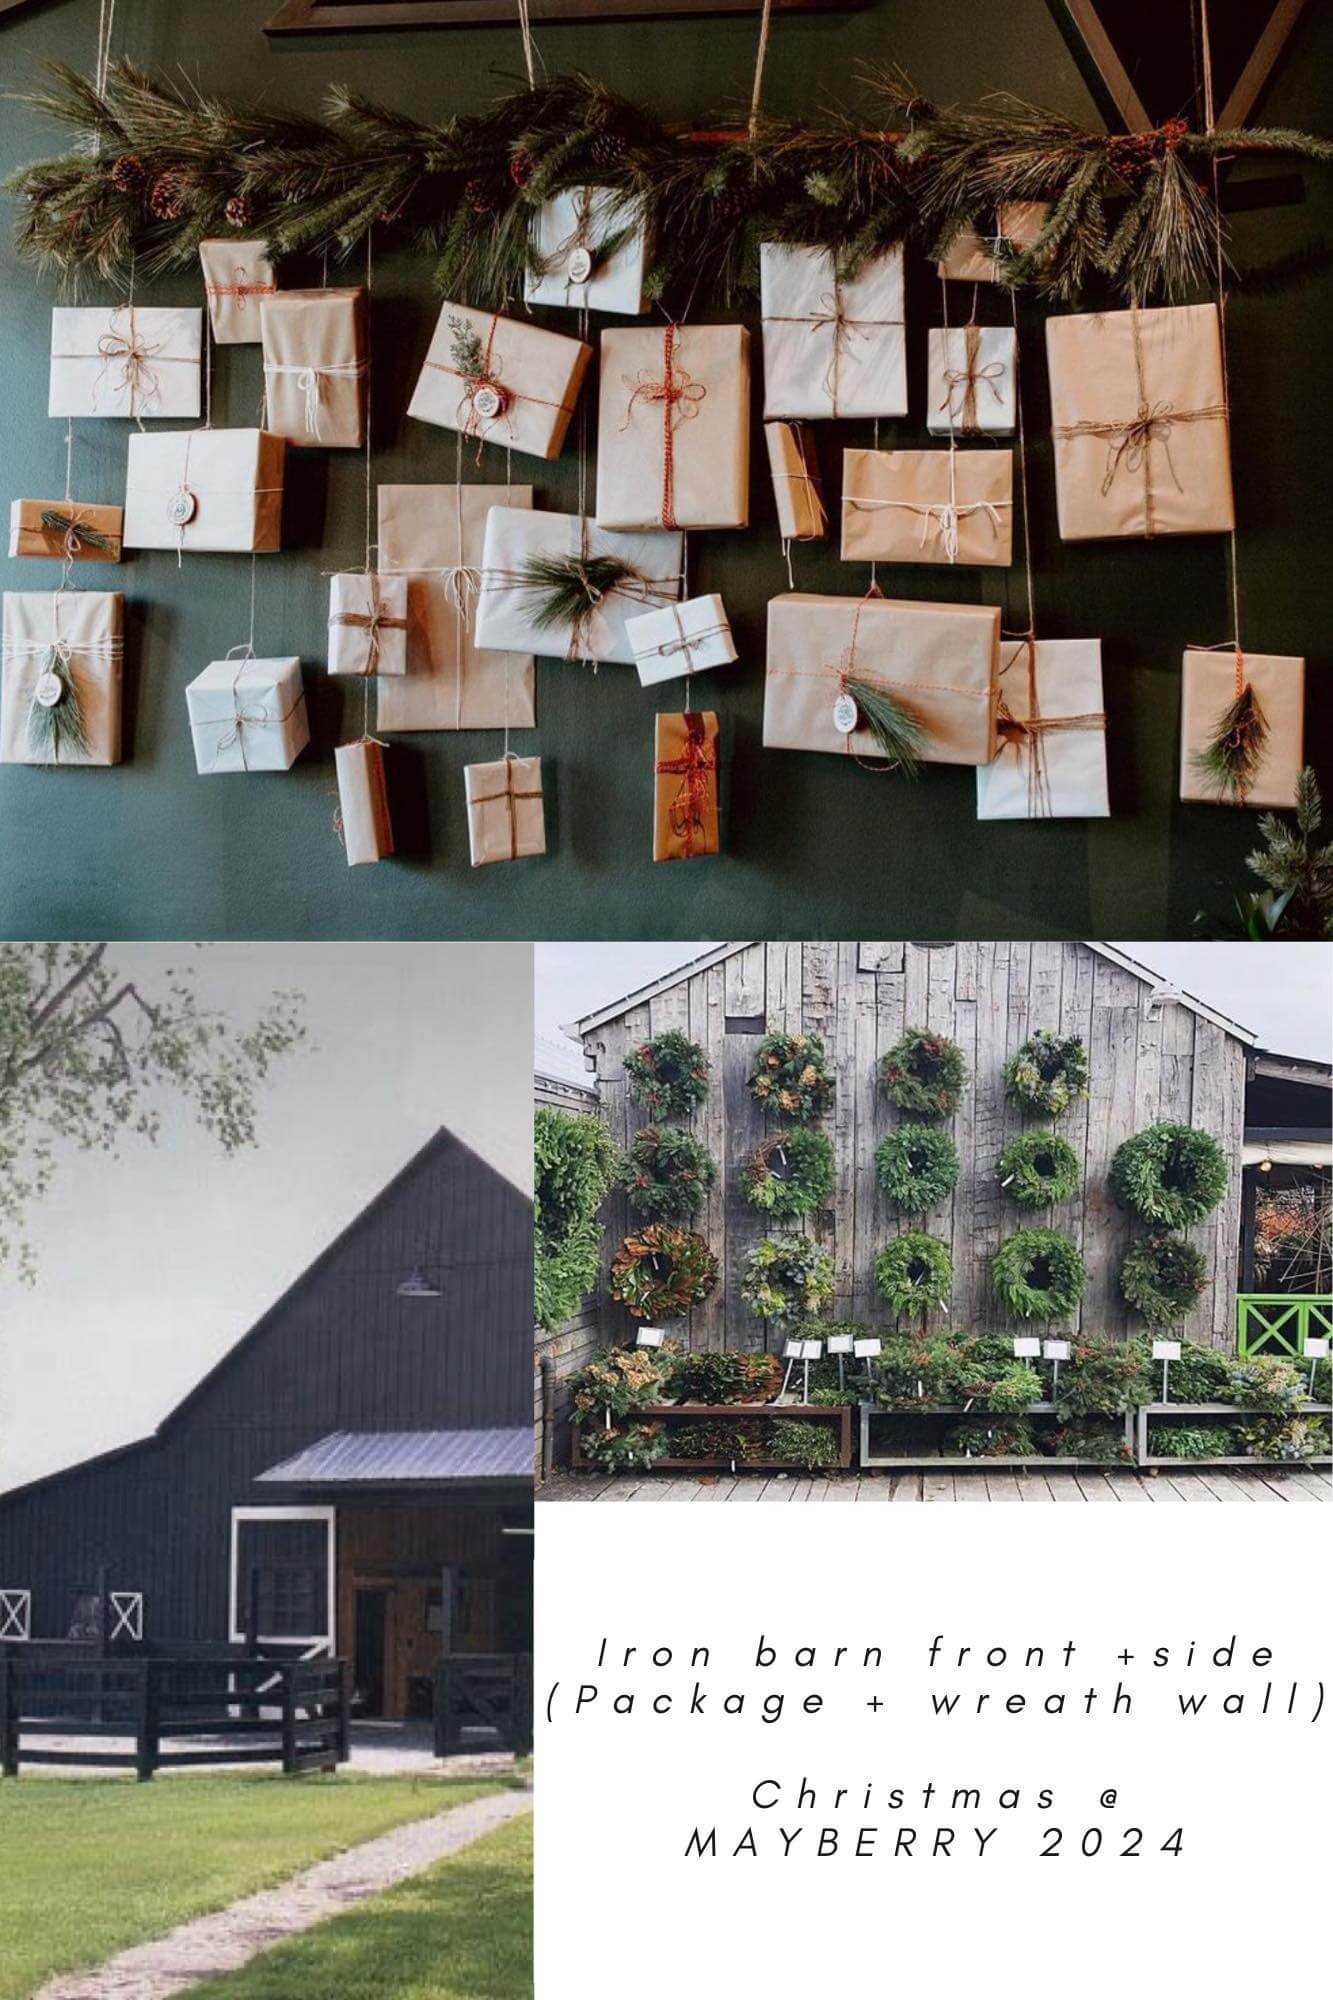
(368, 391)
(529, 52)
(1023, 476)
(1209, 112)
(761, 54)
(106, 20)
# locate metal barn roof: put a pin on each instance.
(387, 1458)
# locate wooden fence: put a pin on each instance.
(483, 1701)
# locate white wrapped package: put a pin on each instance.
(247, 715)
(198, 491)
(125, 361)
(1051, 763)
(509, 609)
(832, 348)
(972, 380)
(681, 639)
(60, 677)
(592, 248)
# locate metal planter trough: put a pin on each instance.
(1216, 1413)
(873, 1415)
(658, 1413)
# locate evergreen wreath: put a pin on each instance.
(1170, 1175)
(915, 1273)
(925, 1073)
(667, 1174)
(789, 1174)
(1161, 1277)
(662, 1272)
(1039, 1274)
(1039, 1169)
(787, 1277)
(1048, 1074)
(917, 1167)
(667, 1076)
(790, 1078)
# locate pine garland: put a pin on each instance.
(1231, 761)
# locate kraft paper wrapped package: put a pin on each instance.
(972, 258)
(673, 428)
(1208, 688)
(315, 365)
(685, 820)
(247, 715)
(928, 506)
(367, 624)
(501, 381)
(203, 491)
(1138, 415)
(75, 529)
(509, 609)
(796, 483)
(363, 802)
(505, 813)
(972, 380)
(685, 638)
(432, 537)
(591, 247)
(1051, 763)
(939, 660)
(125, 361)
(832, 348)
(237, 276)
(60, 677)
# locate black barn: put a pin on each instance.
(354, 1477)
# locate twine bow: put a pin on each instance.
(310, 378)
(831, 312)
(695, 767)
(679, 396)
(135, 356)
(462, 587)
(77, 532)
(961, 384)
(685, 642)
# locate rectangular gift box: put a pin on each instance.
(673, 427)
(928, 506)
(591, 246)
(972, 259)
(125, 361)
(367, 624)
(60, 528)
(508, 611)
(680, 639)
(315, 365)
(204, 491)
(796, 483)
(832, 348)
(1051, 763)
(939, 660)
(505, 813)
(236, 277)
(972, 380)
(432, 537)
(247, 715)
(363, 803)
(502, 381)
(684, 786)
(1208, 688)
(1138, 415)
(77, 635)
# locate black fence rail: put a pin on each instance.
(483, 1701)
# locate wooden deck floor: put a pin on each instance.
(1002, 1484)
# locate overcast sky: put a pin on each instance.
(153, 1265)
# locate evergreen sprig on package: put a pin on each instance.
(1230, 762)
(56, 728)
(900, 733)
(76, 533)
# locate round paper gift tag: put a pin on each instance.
(489, 401)
(580, 266)
(49, 691)
(845, 716)
(181, 507)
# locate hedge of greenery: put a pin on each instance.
(575, 1161)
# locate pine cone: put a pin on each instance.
(521, 167)
(166, 199)
(127, 173)
(478, 196)
(240, 212)
(608, 150)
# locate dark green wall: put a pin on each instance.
(812, 848)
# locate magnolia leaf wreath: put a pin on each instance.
(668, 1076)
(915, 1273)
(1039, 1169)
(789, 1174)
(924, 1072)
(1170, 1175)
(667, 1174)
(1161, 1277)
(790, 1078)
(917, 1167)
(1048, 1074)
(787, 1277)
(1039, 1274)
(662, 1272)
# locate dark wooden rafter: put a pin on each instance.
(323, 17)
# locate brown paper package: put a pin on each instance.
(506, 814)
(794, 464)
(315, 365)
(28, 537)
(1208, 688)
(904, 506)
(673, 433)
(685, 821)
(363, 801)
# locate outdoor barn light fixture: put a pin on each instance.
(416, 1285)
(1162, 996)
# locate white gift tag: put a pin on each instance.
(1316, 1350)
(1055, 1350)
(49, 691)
(649, 1336)
(579, 268)
(1166, 1350)
(845, 714)
(488, 401)
(840, 1343)
(866, 1349)
(182, 507)
(1024, 1347)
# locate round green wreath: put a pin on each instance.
(915, 1273)
(666, 1174)
(661, 1272)
(787, 1277)
(1169, 1175)
(925, 1073)
(790, 1078)
(917, 1166)
(667, 1076)
(1161, 1277)
(1048, 1074)
(1039, 1169)
(805, 1181)
(1039, 1274)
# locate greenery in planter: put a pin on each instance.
(835, 1398)
(978, 1370)
(1277, 1388)
(1287, 1440)
(915, 1273)
(1039, 1274)
(790, 1174)
(1171, 1175)
(805, 1444)
(574, 1160)
(1010, 1437)
(661, 1272)
(790, 1078)
(1161, 1277)
(1200, 1376)
(667, 1076)
(917, 1167)
(667, 1174)
(1103, 1443)
(621, 1380)
(743, 1440)
(787, 1277)
(625, 1446)
(1323, 1379)
(925, 1073)
(1192, 1441)
(1104, 1378)
(1009, 1393)
(1039, 1169)
(708, 1377)
(1048, 1074)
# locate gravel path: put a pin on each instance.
(228, 1939)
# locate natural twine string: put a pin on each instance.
(761, 53)
(529, 52)
(1210, 119)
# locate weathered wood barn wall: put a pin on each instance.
(1169, 1061)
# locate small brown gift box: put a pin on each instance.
(972, 259)
(367, 624)
(673, 429)
(315, 365)
(1138, 415)
(796, 487)
(928, 506)
(363, 804)
(522, 390)
(505, 815)
(58, 528)
(1209, 685)
(236, 277)
(685, 786)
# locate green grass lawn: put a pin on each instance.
(460, 1931)
(91, 1865)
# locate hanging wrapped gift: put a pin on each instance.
(247, 715)
(205, 491)
(500, 381)
(674, 428)
(563, 587)
(68, 530)
(796, 484)
(680, 639)
(971, 380)
(1052, 757)
(976, 260)
(685, 820)
(833, 347)
(1242, 727)
(505, 813)
(60, 677)
(363, 802)
(928, 506)
(315, 365)
(125, 361)
(236, 277)
(589, 248)
(367, 624)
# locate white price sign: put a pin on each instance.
(1055, 1350)
(1166, 1350)
(812, 1350)
(649, 1336)
(1023, 1348)
(793, 1350)
(1315, 1350)
(865, 1350)
(840, 1343)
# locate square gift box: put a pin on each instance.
(78, 529)
(205, 491)
(673, 428)
(511, 606)
(236, 277)
(796, 483)
(502, 381)
(972, 259)
(60, 677)
(832, 348)
(363, 803)
(680, 639)
(315, 365)
(971, 380)
(1051, 763)
(591, 249)
(505, 813)
(685, 821)
(1208, 688)
(367, 624)
(941, 661)
(247, 715)
(125, 361)
(928, 506)
(1138, 415)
